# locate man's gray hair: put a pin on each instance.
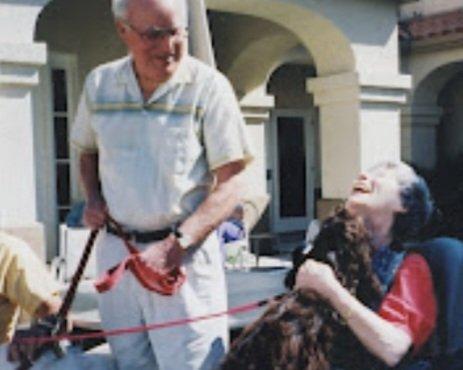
(119, 8)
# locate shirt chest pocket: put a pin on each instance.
(165, 139)
(117, 134)
(178, 141)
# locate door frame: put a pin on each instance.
(278, 224)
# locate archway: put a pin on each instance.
(305, 25)
(450, 129)
(424, 134)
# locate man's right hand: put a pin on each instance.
(95, 213)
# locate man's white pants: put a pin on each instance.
(196, 346)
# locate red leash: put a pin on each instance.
(142, 328)
(58, 335)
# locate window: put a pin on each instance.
(61, 116)
(63, 86)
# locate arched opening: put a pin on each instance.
(442, 90)
(293, 153)
(331, 50)
(432, 111)
(450, 129)
(248, 57)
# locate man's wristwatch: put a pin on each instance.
(184, 240)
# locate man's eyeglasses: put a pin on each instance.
(154, 34)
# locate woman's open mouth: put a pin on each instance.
(361, 187)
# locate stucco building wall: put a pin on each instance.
(355, 92)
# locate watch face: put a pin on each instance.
(184, 241)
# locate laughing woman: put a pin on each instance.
(394, 204)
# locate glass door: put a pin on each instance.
(292, 177)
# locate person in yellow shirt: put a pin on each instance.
(24, 284)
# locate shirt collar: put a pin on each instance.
(183, 74)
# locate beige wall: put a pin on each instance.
(231, 33)
(351, 35)
(248, 48)
(302, 21)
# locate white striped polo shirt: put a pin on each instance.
(156, 157)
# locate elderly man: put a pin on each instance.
(162, 146)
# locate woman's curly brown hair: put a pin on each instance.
(302, 332)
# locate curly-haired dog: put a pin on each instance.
(300, 331)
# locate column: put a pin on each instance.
(359, 126)
(19, 77)
(256, 107)
(199, 41)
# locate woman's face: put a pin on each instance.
(376, 193)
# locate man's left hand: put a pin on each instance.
(164, 255)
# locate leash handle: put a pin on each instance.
(70, 294)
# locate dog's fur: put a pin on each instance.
(302, 332)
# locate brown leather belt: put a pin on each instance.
(141, 236)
